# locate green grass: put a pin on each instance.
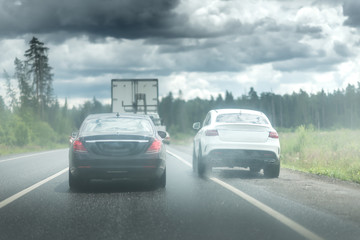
(332, 153)
(7, 150)
(182, 138)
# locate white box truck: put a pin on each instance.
(134, 95)
(137, 96)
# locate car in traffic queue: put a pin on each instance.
(236, 138)
(167, 139)
(158, 125)
(117, 146)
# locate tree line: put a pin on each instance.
(339, 109)
(32, 114)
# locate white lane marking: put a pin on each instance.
(283, 219)
(31, 155)
(179, 158)
(29, 189)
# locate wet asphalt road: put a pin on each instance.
(228, 204)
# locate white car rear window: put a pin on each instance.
(120, 125)
(241, 118)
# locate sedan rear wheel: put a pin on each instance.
(272, 171)
(162, 180)
(158, 182)
(75, 183)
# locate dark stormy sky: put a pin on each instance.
(202, 47)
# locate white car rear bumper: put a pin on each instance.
(267, 152)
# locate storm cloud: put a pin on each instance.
(211, 43)
(351, 10)
(123, 19)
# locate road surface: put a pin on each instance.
(36, 203)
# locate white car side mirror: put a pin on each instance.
(196, 126)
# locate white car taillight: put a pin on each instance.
(212, 132)
(273, 135)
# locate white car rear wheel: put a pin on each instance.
(272, 171)
(194, 161)
(200, 164)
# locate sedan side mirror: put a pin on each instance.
(196, 126)
(74, 134)
(162, 134)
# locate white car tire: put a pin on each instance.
(272, 170)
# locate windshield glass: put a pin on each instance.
(241, 118)
(156, 121)
(117, 125)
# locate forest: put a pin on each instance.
(323, 111)
(31, 115)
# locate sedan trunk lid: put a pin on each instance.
(116, 145)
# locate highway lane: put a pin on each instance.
(189, 207)
(18, 172)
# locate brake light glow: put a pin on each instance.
(84, 166)
(212, 132)
(79, 147)
(155, 146)
(273, 135)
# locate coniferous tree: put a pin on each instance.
(165, 109)
(11, 94)
(40, 74)
(253, 99)
(23, 83)
(229, 100)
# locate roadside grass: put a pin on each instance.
(8, 150)
(179, 138)
(331, 153)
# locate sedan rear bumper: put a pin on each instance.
(138, 171)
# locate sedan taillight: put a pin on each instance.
(79, 147)
(155, 146)
(273, 135)
(212, 132)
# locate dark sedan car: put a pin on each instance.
(117, 147)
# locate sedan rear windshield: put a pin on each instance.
(118, 126)
(241, 118)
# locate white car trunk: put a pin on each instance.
(243, 133)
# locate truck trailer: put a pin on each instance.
(140, 96)
(135, 95)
